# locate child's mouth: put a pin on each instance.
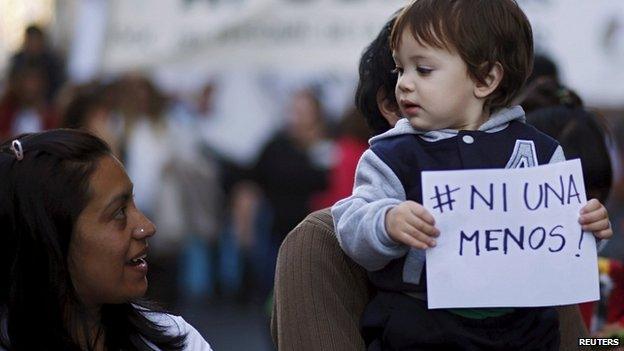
(411, 108)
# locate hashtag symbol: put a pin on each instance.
(449, 199)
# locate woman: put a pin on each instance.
(73, 251)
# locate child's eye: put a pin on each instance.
(424, 70)
(397, 70)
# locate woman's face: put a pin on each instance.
(109, 245)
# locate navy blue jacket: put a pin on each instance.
(389, 173)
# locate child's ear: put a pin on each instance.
(490, 83)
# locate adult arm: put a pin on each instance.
(319, 292)
(571, 327)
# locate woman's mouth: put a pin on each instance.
(138, 263)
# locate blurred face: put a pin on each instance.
(434, 90)
(305, 124)
(31, 86)
(34, 44)
(108, 249)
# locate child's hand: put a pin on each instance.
(411, 224)
(594, 218)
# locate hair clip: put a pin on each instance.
(16, 147)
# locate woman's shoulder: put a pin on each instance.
(176, 325)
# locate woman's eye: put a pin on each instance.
(424, 70)
(120, 214)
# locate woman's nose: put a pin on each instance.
(144, 228)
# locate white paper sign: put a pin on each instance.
(509, 238)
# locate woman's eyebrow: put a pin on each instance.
(121, 198)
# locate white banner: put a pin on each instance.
(586, 38)
(509, 238)
(261, 34)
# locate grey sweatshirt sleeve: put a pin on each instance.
(360, 219)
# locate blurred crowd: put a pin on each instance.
(220, 223)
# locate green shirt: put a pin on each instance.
(480, 313)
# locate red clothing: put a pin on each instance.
(587, 312)
(342, 175)
(615, 310)
(8, 112)
(615, 303)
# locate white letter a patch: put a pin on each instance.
(523, 155)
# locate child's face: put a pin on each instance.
(434, 90)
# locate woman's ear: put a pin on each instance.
(490, 83)
(389, 109)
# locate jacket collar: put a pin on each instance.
(497, 121)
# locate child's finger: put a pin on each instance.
(594, 216)
(591, 205)
(422, 213)
(604, 234)
(410, 240)
(421, 225)
(597, 226)
(420, 236)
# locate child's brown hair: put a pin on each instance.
(482, 32)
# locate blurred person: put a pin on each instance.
(73, 251)
(545, 92)
(176, 183)
(320, 293)
(36, 49)
(351, 142)
(147, 141)
(311, 267)
(614, 321)
(543, 68)
(87, 108)
(205, 100)
(546, 97)
(581, 136)
(289, 170)
(23, 106)
(543, 88)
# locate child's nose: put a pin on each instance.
(405, 84)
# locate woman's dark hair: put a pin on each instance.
(41, 197)
(582, 136)
(376, 65)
